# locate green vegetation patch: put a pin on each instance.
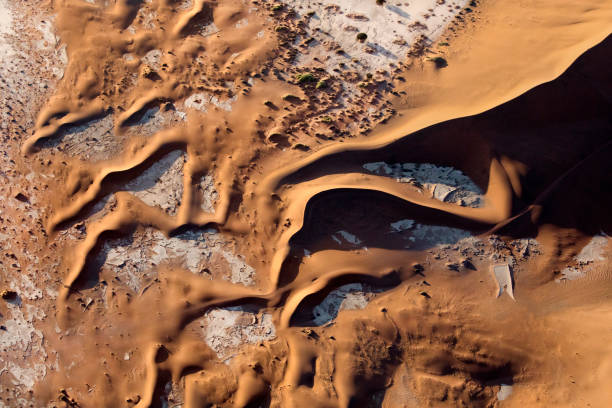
(305, 78)
(322, 84)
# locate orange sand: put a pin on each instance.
(435, 334)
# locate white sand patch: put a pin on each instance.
(503, 276)
(352, 296)
(161, 185)
(6, 28)
(208, 194)
(25, 287)
(49, 39)
(184, 5)
(15, 58)
(242, 23)
(152, 59)
(240, 271)
(442, 183)
(200, 101)
(22, 48)
(197, 101)
(504, 392)
(209, 29)
(592, 255)
(390, 28)
(147, 17)
(134, 260)
(225, 330)
(593, 251)
(22, 353)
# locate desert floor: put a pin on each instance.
(255, 203)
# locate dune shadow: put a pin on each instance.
(557, 136)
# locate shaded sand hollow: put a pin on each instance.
(241, 203)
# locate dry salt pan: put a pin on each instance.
(352, 296)
(161, 185)
(6, 23)
(94, 140)
(134, 260)
(591, 255)
(443, 183)
(26, 344)
(200, 101)
(391, 29)
(226, 329)
(503, 276)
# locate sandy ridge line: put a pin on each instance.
(443, 111)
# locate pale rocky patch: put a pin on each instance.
(225, 330)
(22, 354)
(391, 29)
(32, 59)
(503, 276)
(201, 101)
(443, 183)
(352, 296)
(204, 253)
(591, 256)
(161, 185)
(153, 59)
(208, 193)
(94, 140)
